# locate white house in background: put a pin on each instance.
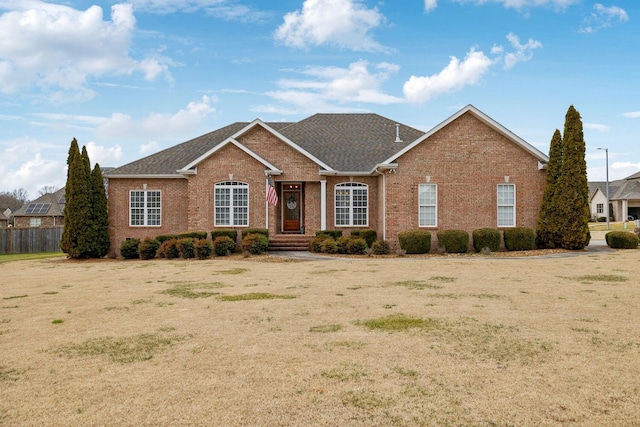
(624, 198)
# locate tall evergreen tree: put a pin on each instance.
(548, 235)
(77, 206)
(571, 197)
(99, 221)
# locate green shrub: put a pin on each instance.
(129, 248)
(255, 243)
(169, 249)
(368, 234)
(486, 238)
(380, 247)
(196, 235)
(415, 241)
(454, 241)
(357, 246)
(316, 243)
(204, 248)
(229, 232)
(334, 234)
(186, 247)
(223, 245)
(148, 248)
(329, 246)
(262, 231)
(343, 244)
(519, 239)
(164, 237)
(621, 240)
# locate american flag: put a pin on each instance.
(272, 196)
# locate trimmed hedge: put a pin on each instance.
(186, 247)
(204, 249)
(486, 238)
(224, 245)
(454, 241)
(621, 240)
(164, 237)
(519, 239)
(255, 243)
(148, 248)
(316, 244)
(129, 248)
(343, 244)
(334, 234)
(248, 231)
(380, 247)
(329, 246)
(229, 232)
(368, 234)
(169, 249)
(197, 235)
(357, 246)
(415, 241)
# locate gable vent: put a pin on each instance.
(398, 139)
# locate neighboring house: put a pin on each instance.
(626, 197)
(333, 171)
(46, 211)
(4, 220)
(598, 200)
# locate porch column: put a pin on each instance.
(323, 204)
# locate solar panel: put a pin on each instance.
(38, 208)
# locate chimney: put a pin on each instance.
(398, 133)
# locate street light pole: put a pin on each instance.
(606, 155)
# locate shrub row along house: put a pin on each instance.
(333, 171)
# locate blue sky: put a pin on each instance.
(129, 79)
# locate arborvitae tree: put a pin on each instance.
(77, 206)
(99, 240)
(548, 235)
(571, 197)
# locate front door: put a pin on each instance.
(291, 208)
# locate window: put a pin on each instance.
(352, 204)
(600, 208)
(506, 205)
(144, 208)
(35, 222)
(427, 205)
(231, 203)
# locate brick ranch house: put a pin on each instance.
(333, 171)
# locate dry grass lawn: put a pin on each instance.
(438, 341)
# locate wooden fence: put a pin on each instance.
(30, 240)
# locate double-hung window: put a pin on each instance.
(506, 205)
(145, 208)
(600, 208)
(428, 205)
(231, 203)
(352, 204)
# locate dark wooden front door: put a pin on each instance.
(291, 209)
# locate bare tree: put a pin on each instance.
(47, 189)
(14, 199)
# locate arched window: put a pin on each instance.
(231, 203)
(352, 204)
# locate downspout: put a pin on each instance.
(384, 203)
(323, 204)
(266, 203)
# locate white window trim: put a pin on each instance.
(498, 206)
(146, 213)
(228, 184)
(420, 206)
(35, 222)
(600, 208)
(349, 186)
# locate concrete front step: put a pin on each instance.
(292, 242)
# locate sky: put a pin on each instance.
(127, 79)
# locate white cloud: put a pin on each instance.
(223, 9)
(597, 127)
(560, 5)
(430, 5)
(342, 23)
(105, 156)
(454, 76)
(52, 46)
(632, 115)
(160, 126)
(522, 53)
(603, 17)
(325, 87)
(149, 148)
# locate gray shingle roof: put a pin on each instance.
(346, 142)
(55, 199)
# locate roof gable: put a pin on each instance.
(537, 154)
(49, 204)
